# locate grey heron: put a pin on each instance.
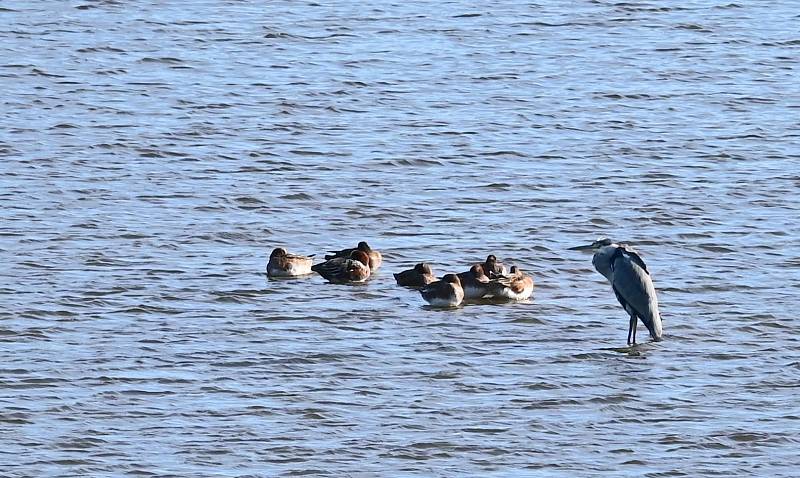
(630, 279)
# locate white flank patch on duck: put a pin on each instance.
(510, 294)
(296, 269)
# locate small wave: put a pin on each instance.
(165, 59)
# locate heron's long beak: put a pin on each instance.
(587, 247)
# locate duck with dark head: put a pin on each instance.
(491, 266)
(475, 283)
(444, 293)
(418, 276)
(375, 257)
(343, 270)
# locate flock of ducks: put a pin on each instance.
(619, 263)
(487, 280)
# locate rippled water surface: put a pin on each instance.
(153, 153)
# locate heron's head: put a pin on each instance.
(593, 246)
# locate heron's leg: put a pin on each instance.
(632, 330)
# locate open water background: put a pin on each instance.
(153, 153)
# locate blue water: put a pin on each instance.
(153, 154)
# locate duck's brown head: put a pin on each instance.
(278, 252)
(452, 278)
(363, 246)
(477, 270)
(360, 256)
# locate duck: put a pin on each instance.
(474, 282)
(375, 257)
(515, 286)
(446, 292)
(418, 276)
(491, 266)
(283, 264)
(343, 270)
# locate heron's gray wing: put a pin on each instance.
(630, 310)
(634, 256)
(635, 291)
